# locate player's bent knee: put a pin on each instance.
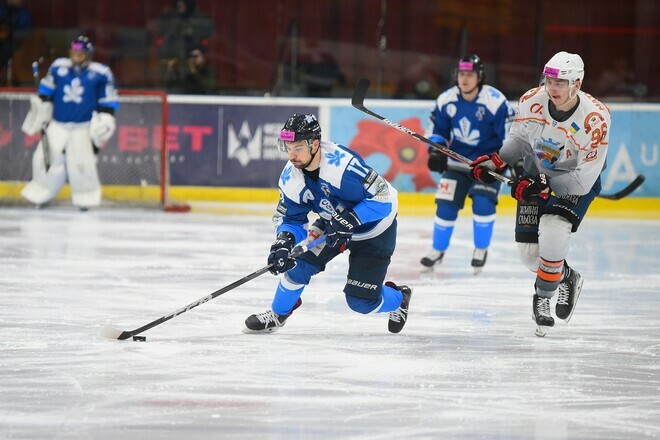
(483, 206)
(554, 236)
(529, 255)
(302, 273)
(556, 224)
(362, 305)
(446, 210)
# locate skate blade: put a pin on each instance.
(577, 296)
(248, 331)
(477, 270)
(541, 331)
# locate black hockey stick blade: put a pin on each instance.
(359, 93)
(110, 332)
(357, 101)
(632, 186)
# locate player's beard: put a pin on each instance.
(300, 165)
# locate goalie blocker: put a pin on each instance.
(39, 115)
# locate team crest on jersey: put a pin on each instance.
(326, 189)
(286, 174)
(451, 110)
(465, 133)
(548, 151)
(73, 92)
(592, 120)
(335, 158)
(62, 71)
(481, 112)
(591, 156)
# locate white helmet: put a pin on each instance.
(565, 65)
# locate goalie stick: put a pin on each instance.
(44, 139)
(357, 101)
(115, 333)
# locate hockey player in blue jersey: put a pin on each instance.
(472, 119)
(357, 210)
(76, 103)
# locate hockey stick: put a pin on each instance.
(44, 139)
(114, 333)
(632, 186)
(357, 101)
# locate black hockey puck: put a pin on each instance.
(140, 338)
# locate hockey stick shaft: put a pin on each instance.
(632, 186)
(44, 138)
(114, 333)
(357, 101)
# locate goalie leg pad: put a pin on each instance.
(44, 186)
(81, 168)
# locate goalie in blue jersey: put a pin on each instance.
(74, 111)
(473, 119)
(357, 211)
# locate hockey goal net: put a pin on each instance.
(133, 166)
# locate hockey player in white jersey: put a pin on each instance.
(75, 102)
(357, 210)
(472, 119)
(561, 134)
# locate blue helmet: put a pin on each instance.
(83, 43)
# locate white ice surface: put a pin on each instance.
(466, 366)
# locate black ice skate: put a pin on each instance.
(268, 321)
(569, 292)
(479, 259)
(541, 315)
(432, 258)
(399, 316)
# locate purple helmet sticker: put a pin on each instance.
(464, 65)
(551, 72)
(77, 46)
(287, 136)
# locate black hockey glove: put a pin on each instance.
(481, 165)
(526, 188)
(437, 160)
(279, 253)
(340, 228)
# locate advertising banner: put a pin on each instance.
(230, 143)
(227, 145)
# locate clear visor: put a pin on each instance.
(288, 137)
(551, 81)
